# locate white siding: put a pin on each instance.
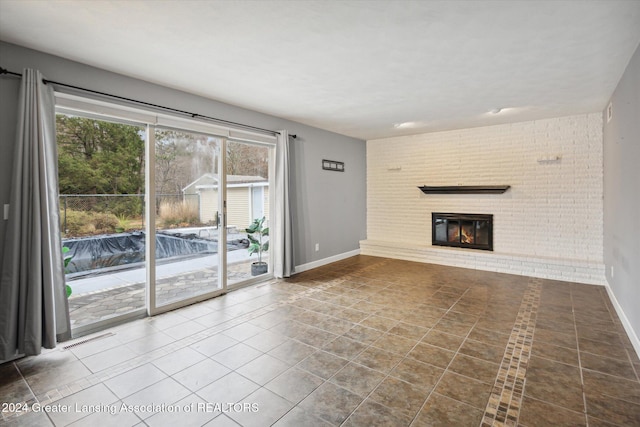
(238, 203)
(208, 205)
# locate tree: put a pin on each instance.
(98, 157)
(245, 159)
(167, 153)
(181, 158)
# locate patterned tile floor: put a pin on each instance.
(362, 342)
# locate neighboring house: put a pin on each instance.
(247, 198)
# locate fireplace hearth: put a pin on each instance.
(472, 231)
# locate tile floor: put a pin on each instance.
(362, 342)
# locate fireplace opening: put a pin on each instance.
(473, 231)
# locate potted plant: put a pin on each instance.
(255, 233)
(67, 260)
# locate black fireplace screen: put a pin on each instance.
(473, 231)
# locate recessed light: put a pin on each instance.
(408, 125)
(402, 125)
(495, 110)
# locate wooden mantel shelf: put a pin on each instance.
(465, 189)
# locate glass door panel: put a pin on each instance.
(101, 183)
(247, 197)
(187, 216)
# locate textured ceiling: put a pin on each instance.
(358, 68)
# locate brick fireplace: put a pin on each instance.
(549, 223)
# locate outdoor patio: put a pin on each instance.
(110, 294)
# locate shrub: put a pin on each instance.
(85, 223)
(75, 220)
(88, 229)
(104, 221)
(123, 224)
(125, 206)
(173, 214)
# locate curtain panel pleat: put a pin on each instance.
(283, 233)
(33, 303)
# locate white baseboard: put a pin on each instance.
(325, 261)
(635, 342)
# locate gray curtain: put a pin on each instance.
(282, 244)
(33, 303)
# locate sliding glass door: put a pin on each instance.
(155, 210)
(187, 222)
(202, 216)
(101, 188)
(247, 193)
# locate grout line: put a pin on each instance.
(403, 358)
(616, 321)
(314, 288)
(505, 401)
(63, 390)
(575, 329)
(139, 360)
(444, 371)
(27, 404)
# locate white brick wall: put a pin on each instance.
(549, 224)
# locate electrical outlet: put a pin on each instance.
(317, 247)
(6, 211)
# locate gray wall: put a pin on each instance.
(329, 207)
(622, 193)
(9, 88)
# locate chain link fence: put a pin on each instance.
(90, 213)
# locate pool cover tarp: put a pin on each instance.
(89, 253)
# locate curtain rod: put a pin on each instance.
(148, 104)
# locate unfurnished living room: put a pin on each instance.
(320, 213)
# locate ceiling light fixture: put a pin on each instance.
(408, 125)
(495, 110)
(402, 125)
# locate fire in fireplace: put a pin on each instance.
(473, 231)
